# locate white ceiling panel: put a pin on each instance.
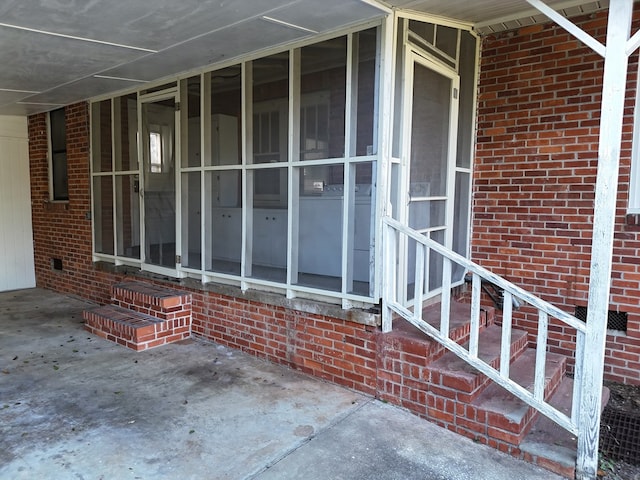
(209, 49)
(36, 62)
(329, 14)
(79, 90)
(7, 97)
(50, 50)
(147, 24)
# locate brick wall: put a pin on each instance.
(336, 350)
(534, 180)
(62, 230)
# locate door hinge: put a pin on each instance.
(177, 106)
(178, 259)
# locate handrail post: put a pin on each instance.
(390, 277)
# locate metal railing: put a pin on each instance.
(426, 250)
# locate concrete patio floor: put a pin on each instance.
(73, 406)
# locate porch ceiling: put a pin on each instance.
(54, 53)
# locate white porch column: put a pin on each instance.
(612, 109)
(616, 51)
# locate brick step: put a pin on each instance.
(133, 329)
(452, 372)
(549, 445)
(495, 417)
(160, 302)
(409, 340)
(509, 418)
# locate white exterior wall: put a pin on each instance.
(16, 236)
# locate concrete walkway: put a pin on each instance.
(73, 406)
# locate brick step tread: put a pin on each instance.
(548, 443)
(124, 316)
(507, 412)
(134, 329)
(451, 371)
(418, 343)
(146, 293)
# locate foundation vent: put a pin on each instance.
(615, 321)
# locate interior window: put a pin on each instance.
(58, 155)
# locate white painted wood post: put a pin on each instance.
(612, 109)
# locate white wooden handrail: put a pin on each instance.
(396, 234)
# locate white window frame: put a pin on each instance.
(292, 166)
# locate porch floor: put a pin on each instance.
(73, 405)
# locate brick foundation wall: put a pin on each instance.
(534, 178)
(336, 350)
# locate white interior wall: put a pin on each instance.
(16, 237)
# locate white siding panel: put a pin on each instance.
(16, 237)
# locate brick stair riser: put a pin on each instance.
(140, 338)
(168, 311)
(467, 389)
(158, 311)
(452, 410)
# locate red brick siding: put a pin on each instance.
(63, 230)
(534, 178)
(336, 350)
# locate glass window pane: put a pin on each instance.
(223, 221)
(467, 89)
(103, 214)
(426, 31)
(427, 214)
(126, 128)
(447, 40)
(360, 234)
(461, 219)
(159, 141)
(430, 131)
(436, 263)
(101, 136)
(191, 220)
(365, 108)
(270, 108)
(269, 236)
(320, 233)
(226, 117)
(128, 215)
(60, 176)
(323, 97)
(191, 149)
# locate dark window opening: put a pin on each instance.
(615, 320)
(58, 138)
(56, 263)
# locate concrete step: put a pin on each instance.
(452, 372)
(134, 330)
(158, 301)
(548, 444)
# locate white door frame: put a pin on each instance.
(171, 93)
(413, 57)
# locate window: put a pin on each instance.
(58, 181)
(275, 166)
